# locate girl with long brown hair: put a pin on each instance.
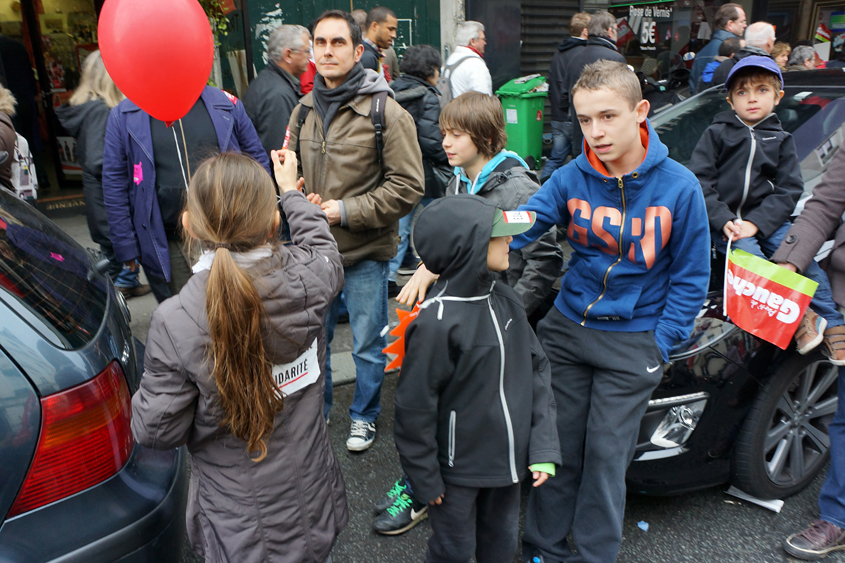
(234, 369)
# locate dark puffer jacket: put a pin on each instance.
(474, 404)
(290, 506)
(558, 81)
(421, 100)
(764, 194)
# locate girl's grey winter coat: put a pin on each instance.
(292, 505)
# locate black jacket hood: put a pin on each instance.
(412, 87)
(603, 41)
(571, 43)
(467, 221)
(72, 117)
(750, 50)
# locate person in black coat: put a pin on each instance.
(559, 93)
(274, 93)
(85, 119)
(601, 45)
(475, 412)
(378, 36)
(19, 78)
(417, 94)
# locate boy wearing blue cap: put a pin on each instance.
(748, 169)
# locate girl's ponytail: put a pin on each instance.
(231, 207)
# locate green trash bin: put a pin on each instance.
(523, 100)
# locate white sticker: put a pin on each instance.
(298, 374)
(517, 217)
(511, 116)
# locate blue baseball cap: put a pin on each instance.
(766, 63)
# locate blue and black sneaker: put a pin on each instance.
(401, 516)
(389, 497)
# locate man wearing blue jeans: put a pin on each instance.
(559, 93)
(364, 192)
(405, 224)
(821, 220)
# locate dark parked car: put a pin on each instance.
(73, 484)
(731, 407)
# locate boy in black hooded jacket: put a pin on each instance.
(748, 169)
(474, 405)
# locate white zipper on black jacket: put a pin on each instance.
(751, 156)
(439, 299)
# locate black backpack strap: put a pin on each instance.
(303, 113)
(377, 115)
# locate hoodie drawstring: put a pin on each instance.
(439, 299)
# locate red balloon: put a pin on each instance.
(158, 52)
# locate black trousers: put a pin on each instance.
(602, 382)
(180, 272)
(473, 521)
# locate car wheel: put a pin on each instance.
(784, 440)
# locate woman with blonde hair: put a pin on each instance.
(85, 118)
(234, 368)
(780, 53)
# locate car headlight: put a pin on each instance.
(680, 420)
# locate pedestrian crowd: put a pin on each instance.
(260, 223)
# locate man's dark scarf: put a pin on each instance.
(328, 101)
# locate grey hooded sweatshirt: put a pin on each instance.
(291, 506)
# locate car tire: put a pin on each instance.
(797, 401)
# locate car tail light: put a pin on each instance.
(85, 439)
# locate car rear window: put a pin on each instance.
(44, 276)
(810, 114)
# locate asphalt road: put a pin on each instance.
(707, 526)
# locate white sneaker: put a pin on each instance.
(361, 436)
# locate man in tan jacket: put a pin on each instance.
(363, 194)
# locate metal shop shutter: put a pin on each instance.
(545, 23)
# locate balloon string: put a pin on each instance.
(178, 154)
(187, 161)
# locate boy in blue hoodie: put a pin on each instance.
(475, 413)
(638, 275)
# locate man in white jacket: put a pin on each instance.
(472, 73)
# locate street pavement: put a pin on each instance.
(706, 526)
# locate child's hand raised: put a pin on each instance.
(284, 168)
(417, 286)
(539, 478)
